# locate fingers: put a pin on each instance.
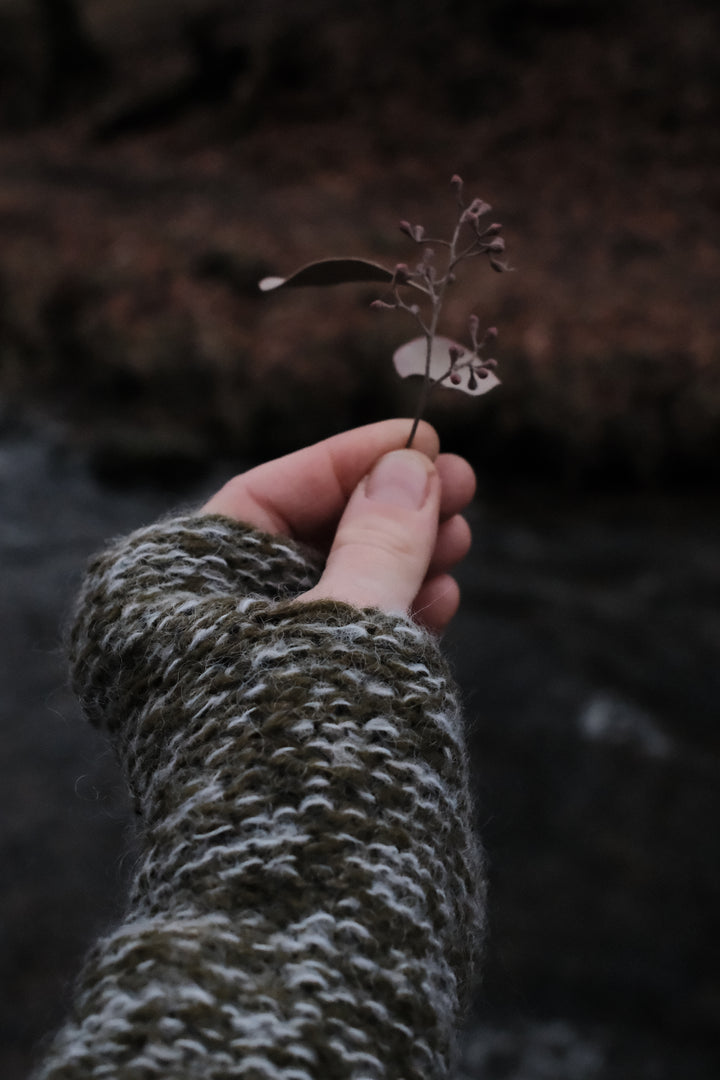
(383, 551)
(458, 484)
(304, 494)
(438, 598)
(436, 603)
(386, 537)
(453, 543)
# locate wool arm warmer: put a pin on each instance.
(308, 900)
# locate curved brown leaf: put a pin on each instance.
(340, 271)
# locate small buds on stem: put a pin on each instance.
(469, 239)
(441, 362)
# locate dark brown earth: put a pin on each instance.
(156, 160)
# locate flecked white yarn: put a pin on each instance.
(309, 900)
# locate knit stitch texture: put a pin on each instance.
(308, 902)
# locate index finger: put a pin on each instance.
(303, 494)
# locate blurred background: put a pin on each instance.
(156, 160)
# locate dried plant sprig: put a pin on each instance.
(461, 368)
(439, 360)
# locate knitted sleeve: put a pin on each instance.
(308, 900)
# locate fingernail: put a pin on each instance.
(400, 478)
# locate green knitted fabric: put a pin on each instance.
(308, 902)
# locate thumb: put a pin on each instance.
(386, 536)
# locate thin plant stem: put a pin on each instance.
(437, 296)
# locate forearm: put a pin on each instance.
(308, 900)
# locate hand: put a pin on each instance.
(387, 519)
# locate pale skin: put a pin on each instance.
(389, 520)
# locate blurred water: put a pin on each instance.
(587, 652)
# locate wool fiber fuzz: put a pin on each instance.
(308, 902)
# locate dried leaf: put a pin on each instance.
(330, 272)
(410, 359)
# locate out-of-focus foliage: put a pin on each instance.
(156, 160)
